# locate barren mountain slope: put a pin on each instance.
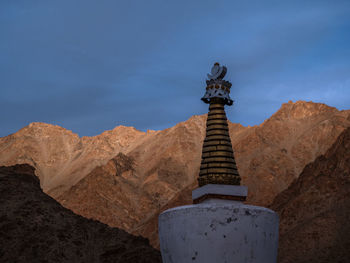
(165, 165)
(270, 156)
(274, 152)
(315, 210)
(35, 228)
(130, 188)
(60, 157)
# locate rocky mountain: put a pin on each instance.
(60, 157)
(36, 228)
(315, 209)
(125, 177)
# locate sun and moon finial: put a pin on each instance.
(217, 72)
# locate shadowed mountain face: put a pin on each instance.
(315, 209)
(125, 177)
(35, 228)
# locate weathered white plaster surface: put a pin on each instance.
(221, 232)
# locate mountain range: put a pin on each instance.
(125, 177)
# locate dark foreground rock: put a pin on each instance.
(36, 228)
(315, 210)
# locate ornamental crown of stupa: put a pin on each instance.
(216, 86)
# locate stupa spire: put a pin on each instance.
(218, 164)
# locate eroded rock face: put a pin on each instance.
(84, 176)
(270, 156)
(36, 228)
(161, 166)
(59, 156)
(315, 209)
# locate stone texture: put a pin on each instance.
(315, 209)
(164, 165)
(36, 228)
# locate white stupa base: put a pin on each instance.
(218, 231)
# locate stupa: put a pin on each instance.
(218, 227)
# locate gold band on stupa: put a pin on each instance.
(218, 165)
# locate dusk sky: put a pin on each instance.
(89, 66)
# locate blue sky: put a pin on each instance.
(89, 66)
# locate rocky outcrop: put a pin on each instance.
(35, 228)
(315, 209)
(157, 169)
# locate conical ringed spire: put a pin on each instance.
(218, 165)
